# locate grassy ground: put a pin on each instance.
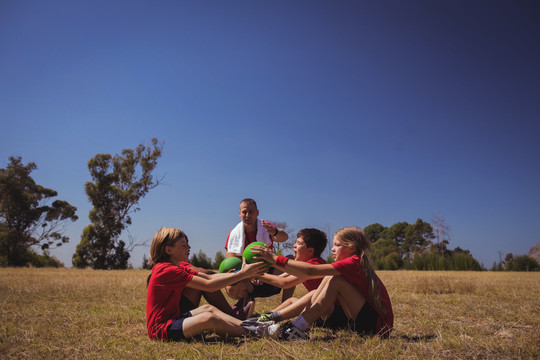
(86, 314)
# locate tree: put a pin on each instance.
(26, 219)
(520, 263)
(201, 260)
(374, 232)
(217, 260)
(417, 237)
(397, 233)
(441, 233)
(119, 182)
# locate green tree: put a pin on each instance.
(119, 182)
(26, 218)
(382, 248)
(374, 232)
(397, 233)
(201, 260)
(521, 263)
(417, 237)
(217, 260)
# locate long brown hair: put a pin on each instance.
(164, 237)
(355, 237)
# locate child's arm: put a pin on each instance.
(293, 267)
(215, 282)
(284, 281)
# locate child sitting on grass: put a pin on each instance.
(164, 319)
(310, 243)
(364, 304)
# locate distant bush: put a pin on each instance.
(522, 263)
(45, 260)
(434, 261)
(391, 261)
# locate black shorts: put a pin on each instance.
(364, 324)
(174, 331)
(265, 290)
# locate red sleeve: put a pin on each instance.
(227, 242)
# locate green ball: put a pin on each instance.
(248, 255)
(230, 263)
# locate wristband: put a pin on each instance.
(277, 232)
(281, 261)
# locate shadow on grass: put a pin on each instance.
(417, 338)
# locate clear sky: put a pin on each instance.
(328, 113)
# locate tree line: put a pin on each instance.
(30, 220)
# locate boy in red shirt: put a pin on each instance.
(364, 304)
(310, 243)
(164, 319)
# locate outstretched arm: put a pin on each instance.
(284, 281)
(293, 267)
(215, 282)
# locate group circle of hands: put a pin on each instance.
(257, 269)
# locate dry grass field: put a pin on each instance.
(86, 314)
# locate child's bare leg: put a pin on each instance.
(286, 303)
(332, 288)
(217, 299)
(209, 318)
(296, 307)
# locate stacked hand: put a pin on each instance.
(264, 253)
(253, 270)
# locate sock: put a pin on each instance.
(276, 316)
(301, 323)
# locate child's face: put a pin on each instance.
(301, 251)
(341, 251)
(179, 251)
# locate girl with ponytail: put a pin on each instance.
(351, 295)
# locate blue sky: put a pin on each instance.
(329, 114)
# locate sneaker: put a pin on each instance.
(242, 312)
(291, 332)
(265, 317)
(263, 330)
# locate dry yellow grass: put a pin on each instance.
(86, 314)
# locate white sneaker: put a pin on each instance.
(291, 332)
(262, 330)
(271, 331)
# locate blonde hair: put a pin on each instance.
(355, 237)
(164, 237)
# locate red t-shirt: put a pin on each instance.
(163, 297)
(351, 268)
(312, 284)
